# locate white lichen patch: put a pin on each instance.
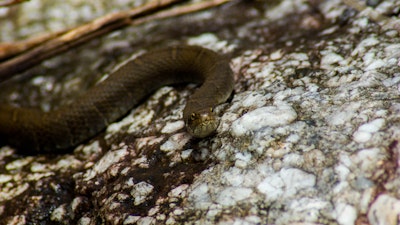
(131, 220)
(84, 220)
(343, 115)
(58, 214)
(307, 207)
(178, 191)
(285, 8)
(384, 210)
(19, 163)
(76, 202)
(10, 192)
(331, 59)
(346, 214)
(175, 142)
(234, 177)
(233, 195)
(136, 122)
(366, 131)
(68, 162)
(105, 162)
(269, 116)
(171, 127)
(366, 159)
(140, 192)
(211, 41)
(200, 196)
(5, 178)
(286, 184)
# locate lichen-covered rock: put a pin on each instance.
(310, 135)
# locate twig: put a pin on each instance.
(180, 11)
(8, 50)
(8, 3)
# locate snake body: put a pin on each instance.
(33, 131)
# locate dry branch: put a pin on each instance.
(8, 3)
(8, 50)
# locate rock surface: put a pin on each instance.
(309, 137)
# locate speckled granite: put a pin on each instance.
(309, 137)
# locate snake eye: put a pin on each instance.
(193, 116)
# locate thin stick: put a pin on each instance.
(180, 11)
(8, 3)
(8, 50)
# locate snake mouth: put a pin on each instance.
(201, 125)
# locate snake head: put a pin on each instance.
(202, 124)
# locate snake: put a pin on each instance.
(33, 131)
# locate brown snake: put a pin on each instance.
(33, 131)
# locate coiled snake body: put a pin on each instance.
(33, 131)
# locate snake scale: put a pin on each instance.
(32, 131)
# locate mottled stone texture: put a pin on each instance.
(309, 137)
